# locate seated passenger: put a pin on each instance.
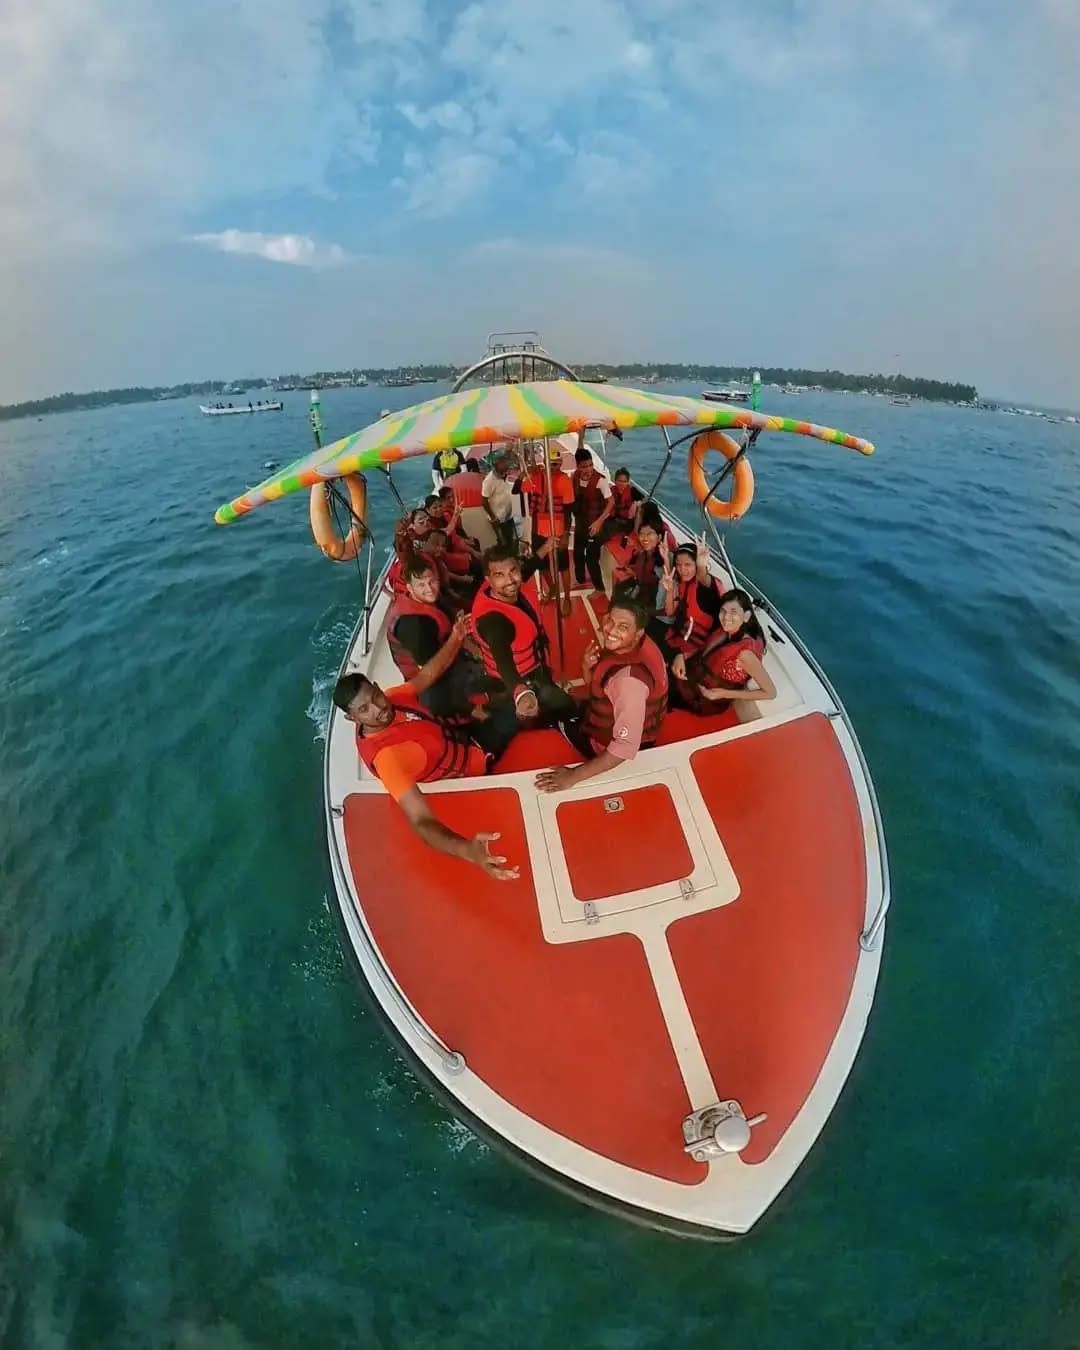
(454, 569)
(691, 598)
(513, 643)
(417, 629)
(626, 505)
(639, 565)
(404, 745)
(628, 689)
(719, 675)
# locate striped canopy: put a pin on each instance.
(509, 412)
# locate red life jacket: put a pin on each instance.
(623, 494)
(447, 755)
(642, 570)
(717, 667)
(692, 623)
(589, 501)
(457, 562)
(395, 578)
(647, 663)
(527, 642)
(404, 604)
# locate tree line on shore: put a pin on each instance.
(916, 386)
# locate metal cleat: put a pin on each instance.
(715, 1131)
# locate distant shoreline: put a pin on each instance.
(644, 373)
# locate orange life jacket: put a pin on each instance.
(535, 489)
(717, 667)
(528, 640)
(404, 604)
(447, 754)
(647, 664)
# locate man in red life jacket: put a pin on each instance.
(593, 504)
(512, 641)
(628, 690)
(403, 745)
(417, 628)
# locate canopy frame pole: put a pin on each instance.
(663, 467)
(393, 487)
(554, 559)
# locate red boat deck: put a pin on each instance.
(571, 1032)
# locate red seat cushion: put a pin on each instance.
(537, 750)
(680, 725)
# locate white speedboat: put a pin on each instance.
(729, 394)
(660, 1013)
(214, 410)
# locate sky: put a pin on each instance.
(219, 188)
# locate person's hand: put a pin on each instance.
(702, 551)
(462, 627)
(554, 780)
(492, 863)
(589, 660)
(595, 528)
(678, 667)
(527, 706)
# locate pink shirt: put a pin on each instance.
(628, 696)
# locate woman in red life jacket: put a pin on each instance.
(403, 745)
(454, 569)
(593, 503)
(720, 674)
(638, 565)
(627, 699)
(691, 599)
(625, 504)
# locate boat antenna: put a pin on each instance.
(553, 558)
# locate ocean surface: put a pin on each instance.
(205, 1141)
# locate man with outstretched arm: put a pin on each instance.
(404, 745)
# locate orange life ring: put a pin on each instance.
(743, 492)
(322, 522)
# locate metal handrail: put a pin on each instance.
(521, 354)
(453, 1061)
(868, 938)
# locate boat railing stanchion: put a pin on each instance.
(369, 599)
(554, 556)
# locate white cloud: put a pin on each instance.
(296, 249)
(119, 118)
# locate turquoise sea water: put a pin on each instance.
(205, 1141)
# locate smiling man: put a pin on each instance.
(628, 690)
(403, 745)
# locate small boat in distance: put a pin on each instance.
(227, 409)
(729, 394)
(901, 400)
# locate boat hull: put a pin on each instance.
(708, 948)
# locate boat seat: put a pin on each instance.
(680, 725)
(536, 750)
